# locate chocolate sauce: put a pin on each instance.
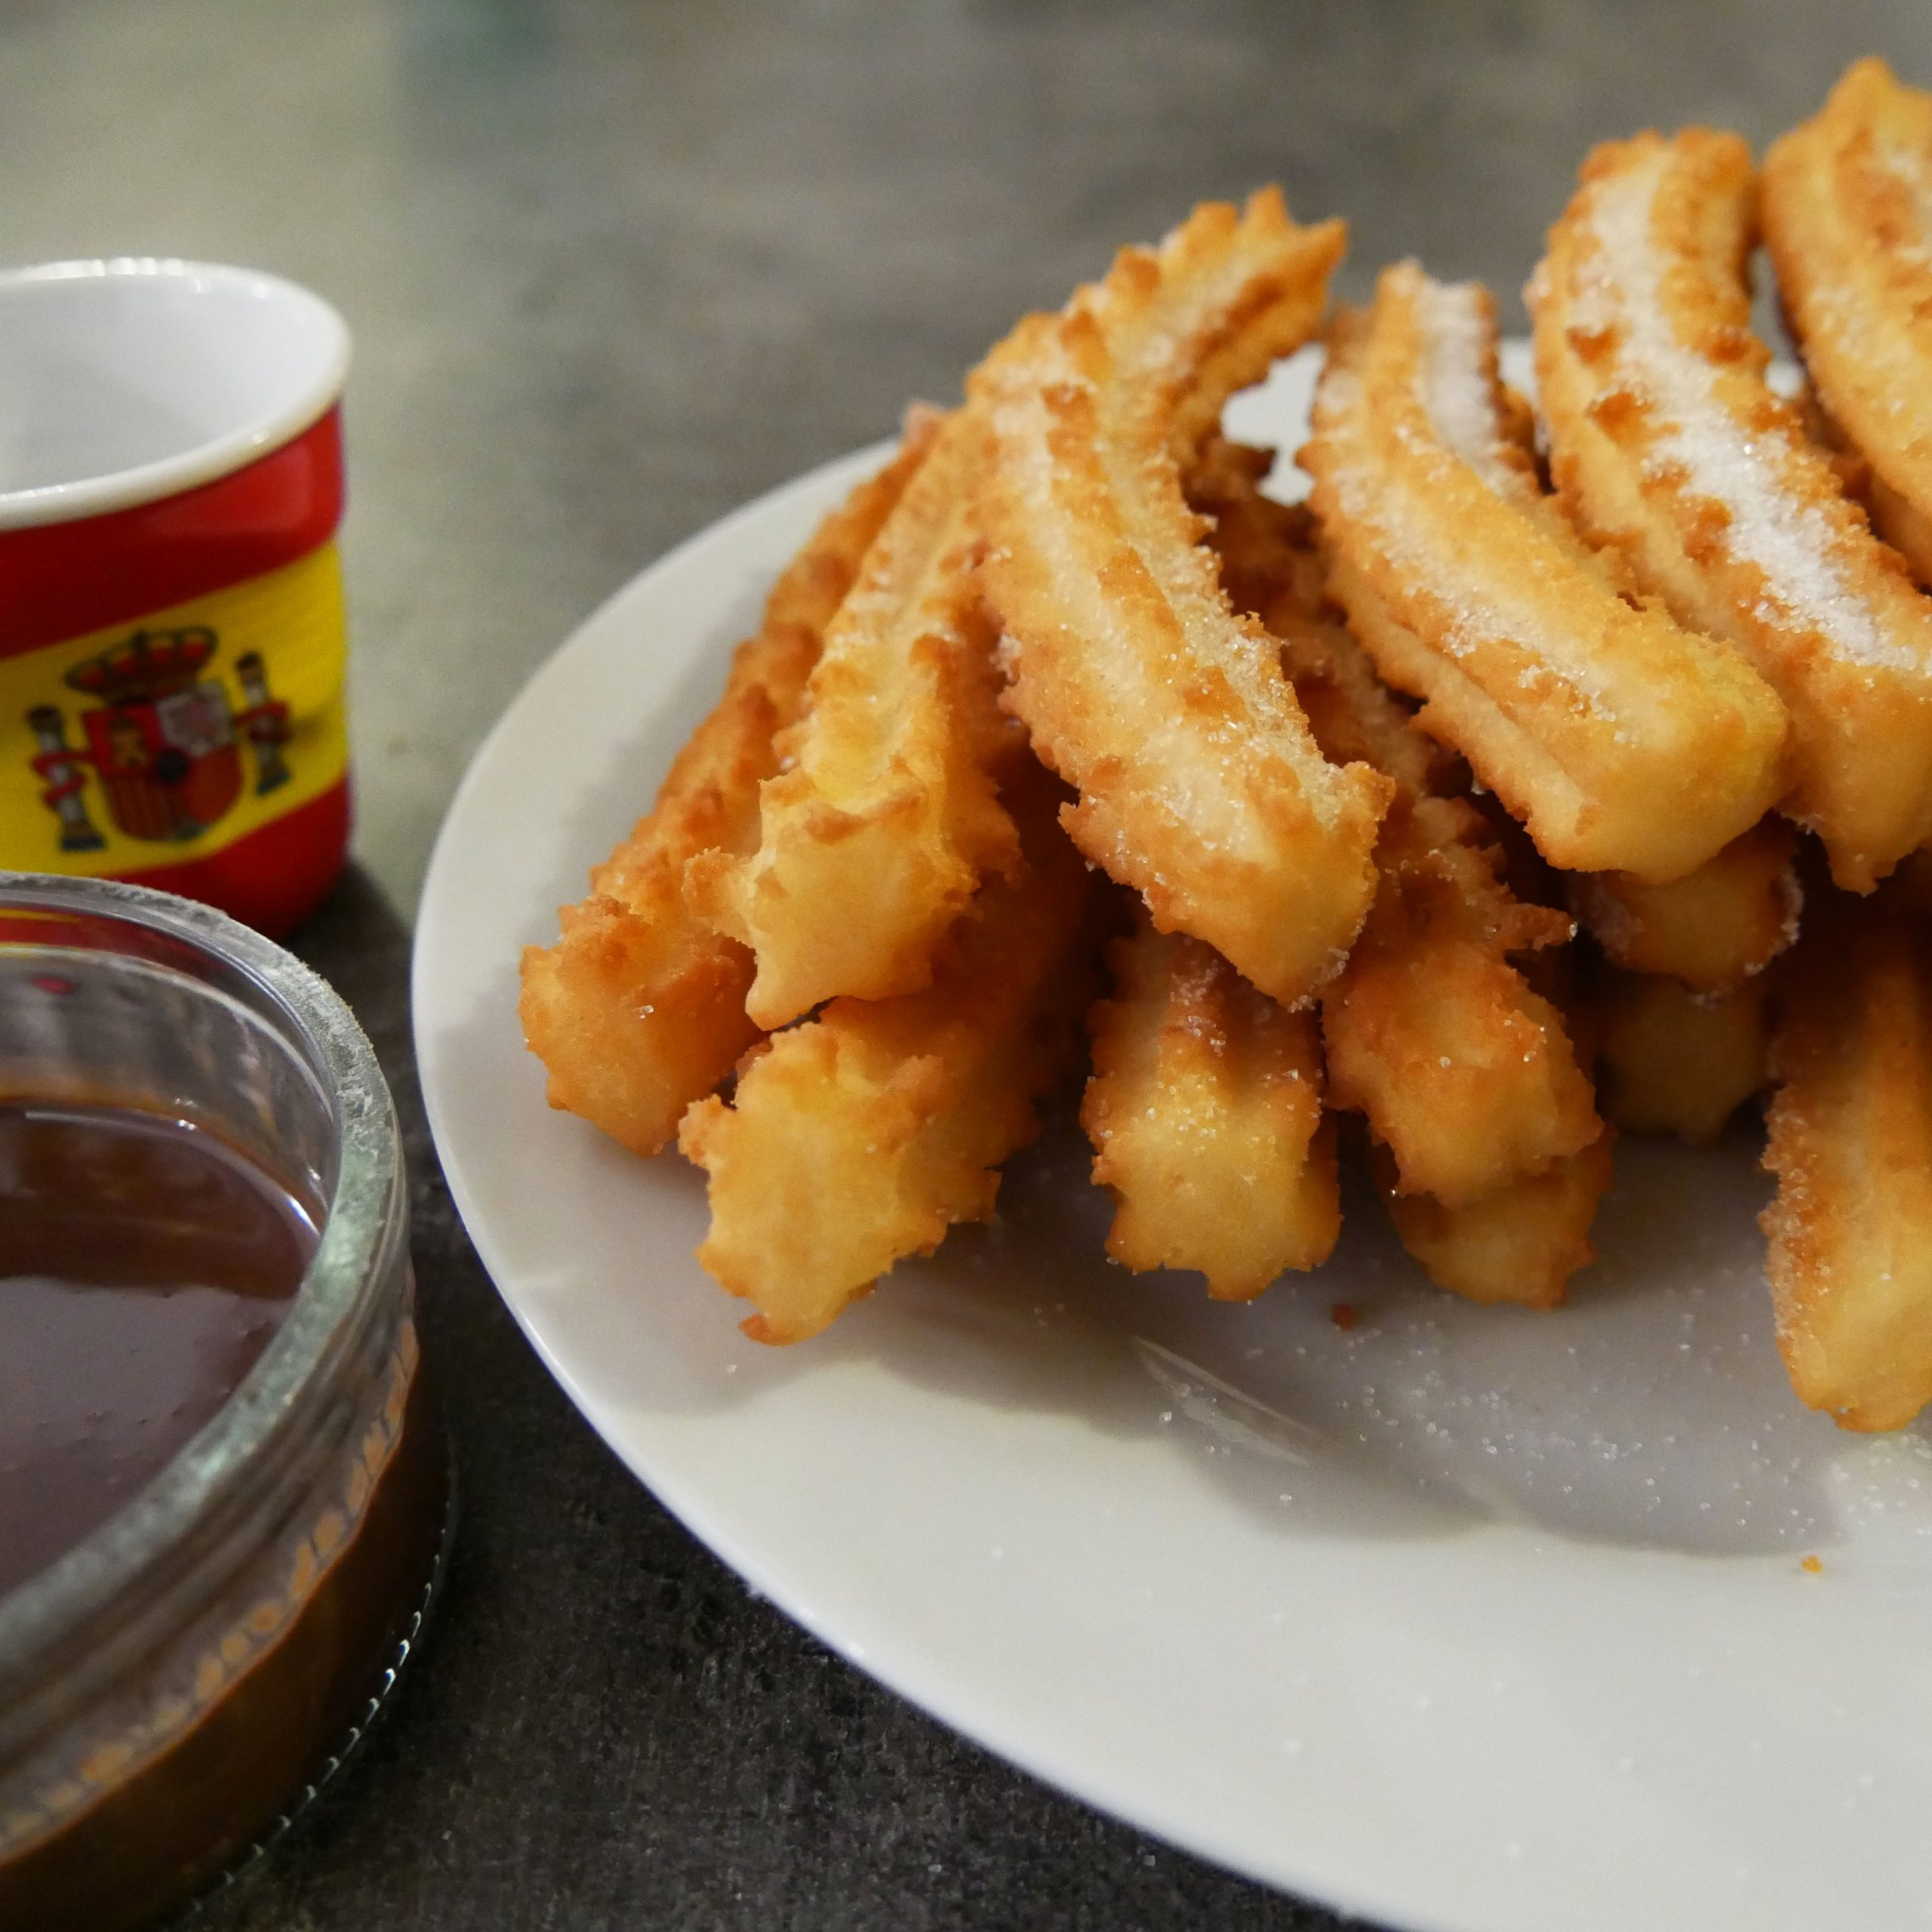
(145, 1264)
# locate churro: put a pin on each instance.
(1668, 445)
(1621, 741)
(1850, 1231)
(1201, 785)
(1846, 202)
(881, 818)
(1713, 928)
(1520, 1243)
(639, 1007)
(1461, 1069)
(862, 1136)
(1205, 1110)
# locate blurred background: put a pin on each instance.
(613, 267)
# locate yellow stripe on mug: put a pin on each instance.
(163, 740)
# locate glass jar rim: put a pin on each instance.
(356, 1223)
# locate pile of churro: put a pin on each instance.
(1553, 771)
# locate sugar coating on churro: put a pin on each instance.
(1787, 535)
(1200, 787)
(1846, 206)
(1456, 389)
(1458, 382)
(1605, 727)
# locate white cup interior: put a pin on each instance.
(121, 381)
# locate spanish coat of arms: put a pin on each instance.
(160, 737)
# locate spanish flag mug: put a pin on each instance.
(172, 646)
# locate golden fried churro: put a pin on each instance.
(1262, 549)
(1846, 202)
(1850, 1231)
(1461, 1069)
(1713, 928)
(1205, 1110)
(1668, 444)
(1622, 741)
(1901, 526)
(1519, 1243)
(1200, 785)
(875, 830)
(1673, 1061)
(1464, 1072)
(639, 1008)
(1272, 569)
(860, 1137)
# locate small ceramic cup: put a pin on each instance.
(172, 646)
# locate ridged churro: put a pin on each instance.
(1846, 201)
(860, 1137)
(1460, 1068)
(1668, 445)
(639, 1007)
(1201, 786)
(1850, 1231)
(1621, 741)
(882, 819)
(1713, 928)
(1205, 1110)
(1464, 1072)
(1520, 1243)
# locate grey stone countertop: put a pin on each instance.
(613, 267)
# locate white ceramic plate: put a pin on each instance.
(1464, 1619)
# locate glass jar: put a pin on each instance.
(170, 1686)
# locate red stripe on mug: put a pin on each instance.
(275, 877)
(63, 579)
